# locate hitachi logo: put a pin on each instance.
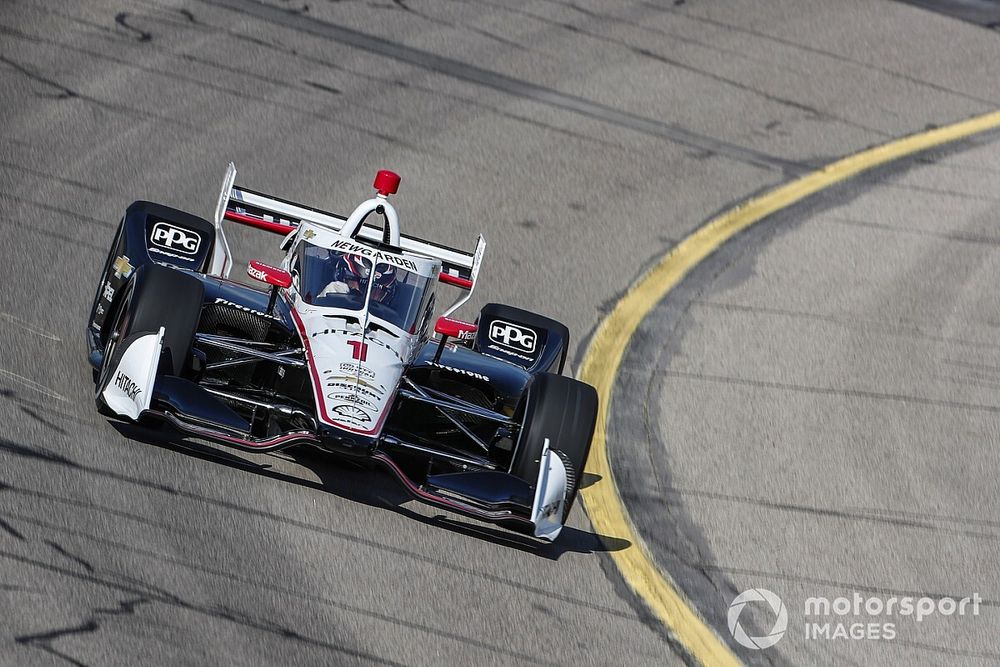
(126, 384)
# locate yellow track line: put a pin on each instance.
(604, 356)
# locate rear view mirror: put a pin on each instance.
(271, 275)
(266, 273)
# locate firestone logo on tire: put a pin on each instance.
(780, 620)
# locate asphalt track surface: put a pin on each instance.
(811, 412)
(584, 140)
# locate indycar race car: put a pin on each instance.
(335, 351)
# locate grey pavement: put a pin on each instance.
(583, 139)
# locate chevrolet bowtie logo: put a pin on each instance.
(122, 268)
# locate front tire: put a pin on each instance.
(155, 297)
(563, 410)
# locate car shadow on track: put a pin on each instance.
(372, 486)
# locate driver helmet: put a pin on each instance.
(354, 270)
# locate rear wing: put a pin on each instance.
(247, 207)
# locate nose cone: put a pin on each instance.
(339, 441)
(354, 377)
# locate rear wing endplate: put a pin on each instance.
(255, 209)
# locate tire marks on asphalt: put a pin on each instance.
(32, 385)
(672, 496)
(811, 111)
(758, 34)
(832, 391)
(237, 93)
(109, 546)
(506, 84)
(64, 92)
(36, 453)
(909, 329)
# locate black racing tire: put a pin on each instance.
(156, 296)
(171, 299)
(564, 410)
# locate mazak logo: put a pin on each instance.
(257, 274)
(776, 606)
(513, 336)
(174, 238)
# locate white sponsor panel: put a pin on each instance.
(513, 336)
(176, 239)
(550, 495)
(351, 395)
(130, 388)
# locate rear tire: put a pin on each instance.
(156, 297)
(563, 410)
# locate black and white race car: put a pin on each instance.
(335, 351)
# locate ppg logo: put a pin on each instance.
(513, 336)
(175, 238)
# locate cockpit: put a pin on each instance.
(330, 278)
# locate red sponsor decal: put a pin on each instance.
(266, 273)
